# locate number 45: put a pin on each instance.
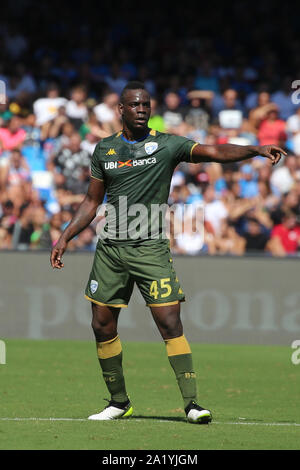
(164, 284)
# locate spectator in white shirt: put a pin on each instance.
(47, 108)
(215, 210)
(107, 112)
(76, 108)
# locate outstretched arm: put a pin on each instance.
(84, 215)
(227, 153)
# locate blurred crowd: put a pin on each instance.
(63, 77)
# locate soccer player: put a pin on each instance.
(137, 164)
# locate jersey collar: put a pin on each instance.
(151, 132)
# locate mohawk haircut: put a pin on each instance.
(133, 85)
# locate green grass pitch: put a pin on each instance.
(253, 392)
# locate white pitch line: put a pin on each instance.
(243, 423)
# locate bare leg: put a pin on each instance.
(167, 319)
(105, 322)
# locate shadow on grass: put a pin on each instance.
(160, 418)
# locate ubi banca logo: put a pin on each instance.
(129, 163)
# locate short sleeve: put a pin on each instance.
(181, 148)
(96, 170)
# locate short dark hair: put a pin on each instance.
(133, 85)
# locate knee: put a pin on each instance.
(104, 327)
(170, 326)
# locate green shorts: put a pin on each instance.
(116, 268)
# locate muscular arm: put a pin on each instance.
(84, 215)
(227, 153)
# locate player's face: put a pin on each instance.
(136, 109)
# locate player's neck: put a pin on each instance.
(136, 134)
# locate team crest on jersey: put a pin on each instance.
(150, 147)
(93, 286)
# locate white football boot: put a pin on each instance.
(197, 414)
(113, 410)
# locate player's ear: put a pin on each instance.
(121, 107)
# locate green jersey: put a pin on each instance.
(137, 177)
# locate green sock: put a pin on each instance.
(110, 360)
(180, 358)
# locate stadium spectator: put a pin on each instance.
(283, 177)
(12, 135)
(189, 240)
(248, 181)
(215, 210)
(20, 85)
(199, 109)
(16, 172)
(228, 110)
(289, 201)
(53, 128)
(117, 79)
(76, 108)
(293, 132)
(206, 78)
(51, 232)
(92, 127)
(40, 228)
(67, 165)
(227, 242)
(107, 113)
(15, 43)
(47, 108)
(285, 237)
(8, 219)
(86, 240)
(23, 228)
(255, 235)
(272, 128)
(283, 98)
(156, 120)
(172, 112)
(53, 92)
(259, 112)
